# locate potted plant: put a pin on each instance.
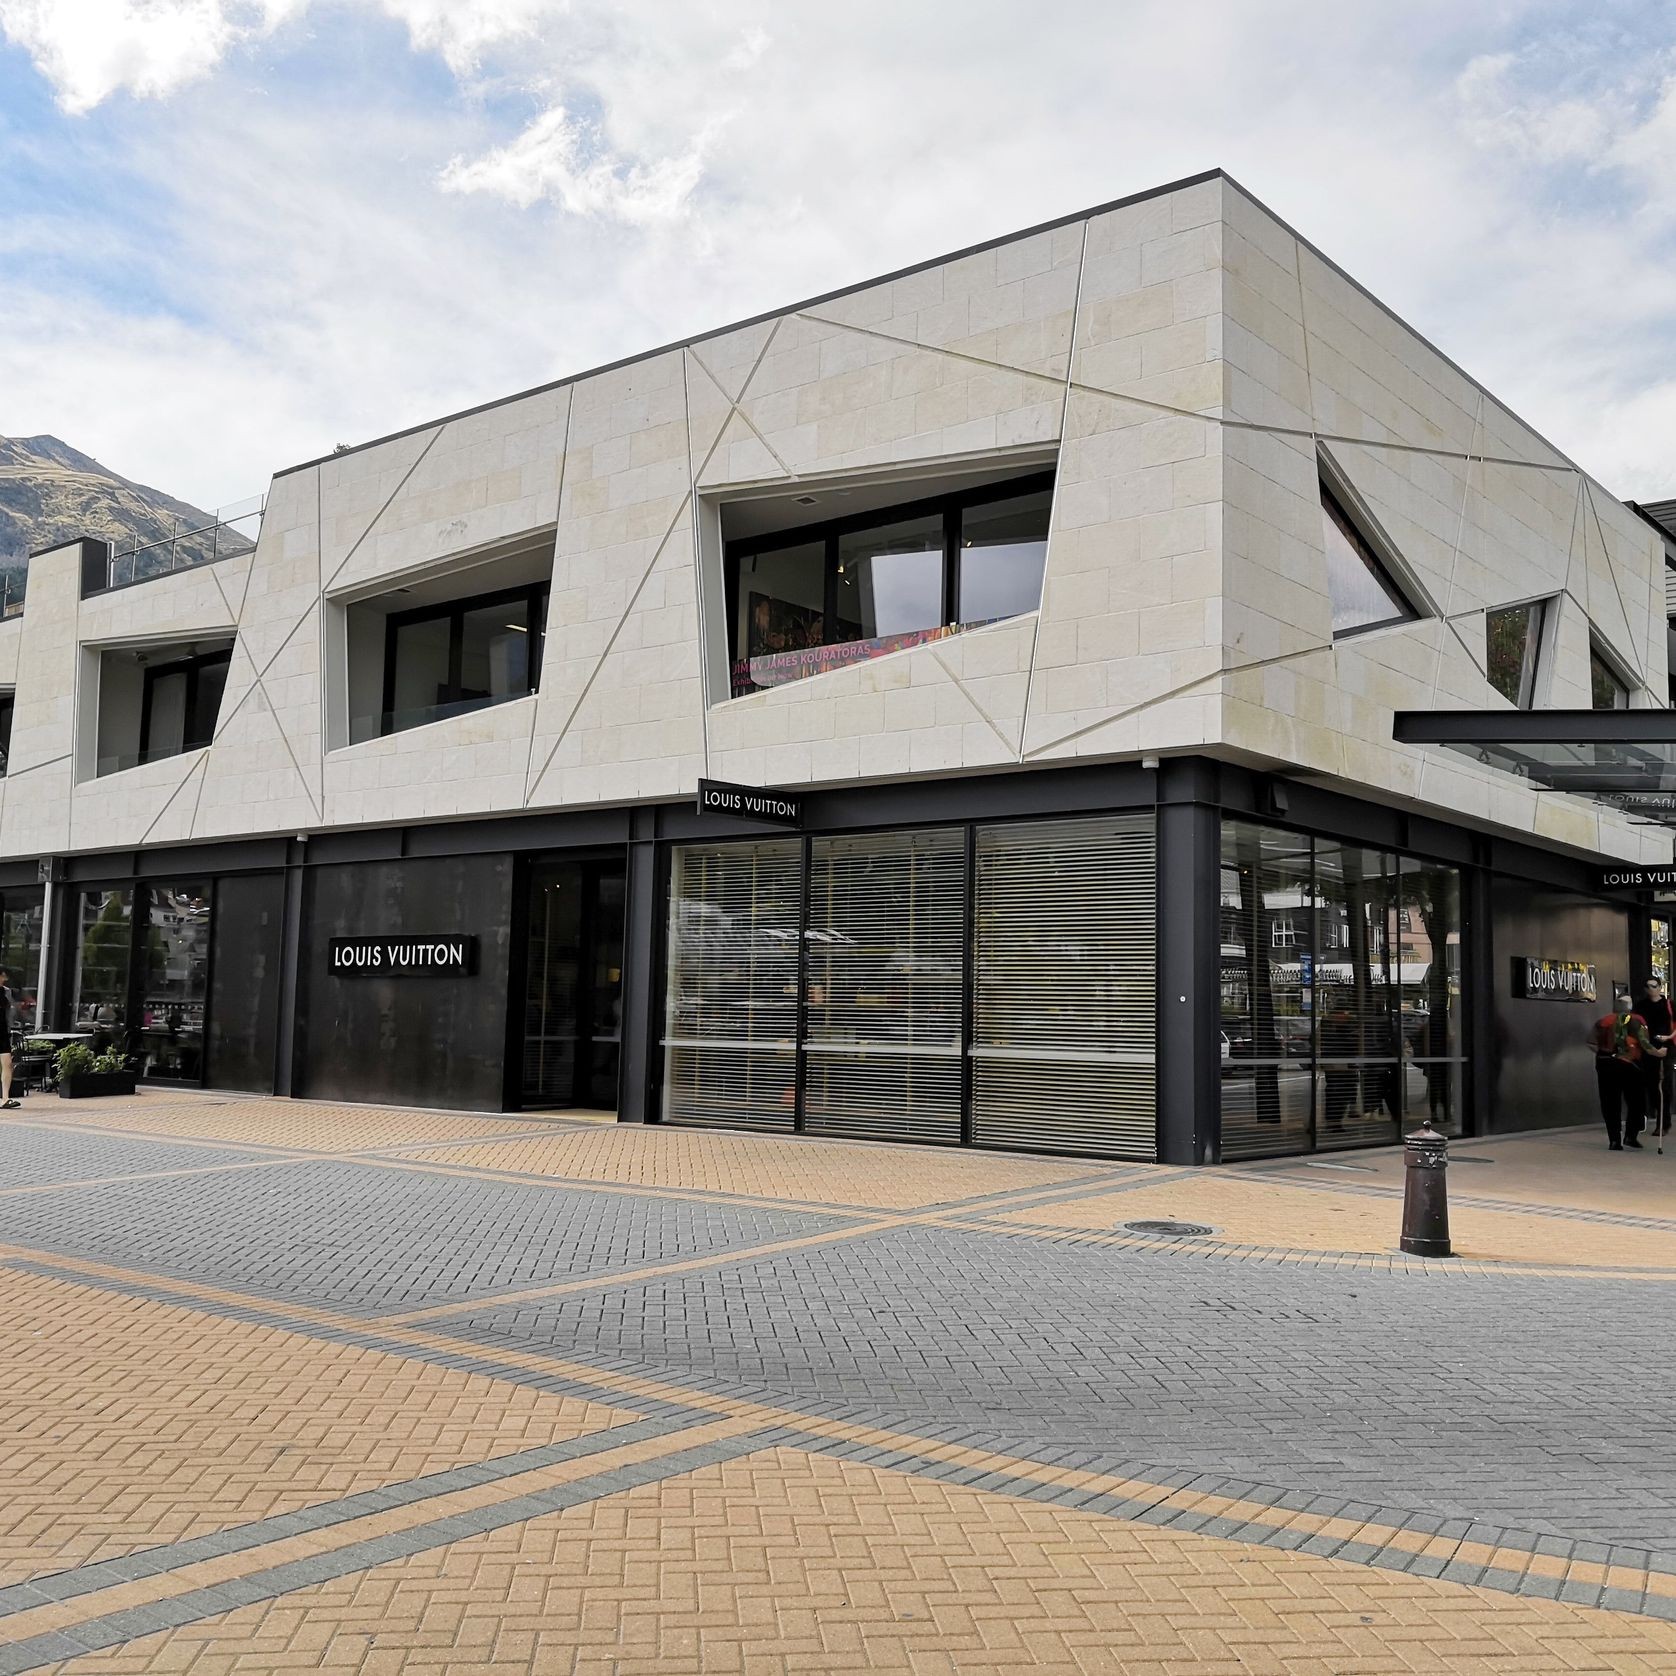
(82, 1074)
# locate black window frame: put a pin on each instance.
(192, 668)
(534, 596)
(828, 532)
(1333, 505)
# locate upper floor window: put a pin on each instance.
(1360, 587)
(158, 701)
(180, 703)
(1513, 640)
(806, 600)
(467, 654)
(8, 703)
(1607, 691)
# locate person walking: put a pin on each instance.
(8, 1012)
(1655, 1011)
(1621, 1043)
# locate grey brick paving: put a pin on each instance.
(373, 1240)
(1525, 1403)
(37, 1157)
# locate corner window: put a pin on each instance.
(1361, 589)
(447, 660)
(1606, 690)
(1513, 640)
(815, 598)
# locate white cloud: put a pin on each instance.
(298, 279)
(550, 160)
(90, 49)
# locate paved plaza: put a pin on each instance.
(288, 1386)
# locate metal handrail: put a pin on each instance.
(231, 533)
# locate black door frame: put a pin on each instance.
(591, 864)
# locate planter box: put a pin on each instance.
(94, 1083)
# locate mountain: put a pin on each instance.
(51, 492)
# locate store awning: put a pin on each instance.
(1625, 759)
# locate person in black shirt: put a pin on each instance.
(8, 1012)
(1655, 1011)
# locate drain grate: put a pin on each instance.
(1178, 1230)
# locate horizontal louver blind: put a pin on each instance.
(730, 1014)
(1064, 1038)
(885, 976)
(1669, 589)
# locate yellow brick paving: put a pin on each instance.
(128, 1424)
(786, 1562)
(142, 1423)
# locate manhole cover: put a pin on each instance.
(1180, 1230)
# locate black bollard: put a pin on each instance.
(1425, 1194)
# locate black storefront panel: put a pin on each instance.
(245, 973)
(1542, 1068)
(430, 1041)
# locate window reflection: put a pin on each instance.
(822, 596)
(1341, 977)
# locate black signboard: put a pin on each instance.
(751, 803)
(1636, 878)
(1552, 980)
(444, 954)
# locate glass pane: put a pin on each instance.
(1267, 985)
(495, 653)
(890, 582)
(1511, 641)
(886, 978)
(730, 1014)
(1356, 583)
(780, 629)
(99, 1002)
(1606, 691)
(20, 952)
(8, 704)
(552, 985)
(1003, 547)
(1432, 1093)
(166, 717)
(1660, 961)
(174, 979)
(420, 683)
(206, 703)
(1429, 960)
(605, 975)
(1360, 1104)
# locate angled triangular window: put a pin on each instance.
(1362, 591)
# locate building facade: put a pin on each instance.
(1067, 587)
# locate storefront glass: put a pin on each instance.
(573, 986)
(1341, 1003)
(142, 974)
(884, 974)
(1009, 1001)
(20, 951)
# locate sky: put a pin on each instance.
(236, 233)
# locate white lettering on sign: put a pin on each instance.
(403, 957)
(749, 802)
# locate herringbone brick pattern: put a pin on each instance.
(811, 1172)
(129, 1424)
(783, 1562)
(1309, 1216)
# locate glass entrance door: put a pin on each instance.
(573, 984)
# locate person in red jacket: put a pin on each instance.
(1622, 1046)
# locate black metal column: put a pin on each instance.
(1189, 955)
(290, 970)
(637, 1099)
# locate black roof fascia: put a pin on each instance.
(1534, 727)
